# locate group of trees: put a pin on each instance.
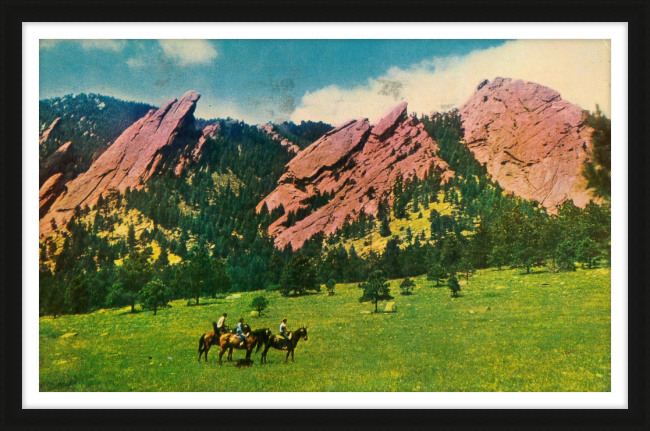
(207, 217)
(90, 121)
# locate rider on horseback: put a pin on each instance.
(240, 332)
(284, 333)
(221, 324)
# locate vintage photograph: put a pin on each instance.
(314, 215)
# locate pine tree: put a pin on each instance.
(436, 273)
(154, 295)
(384, 228)
(259, 304)
(454, 286)
(407, 286)
(375, 289)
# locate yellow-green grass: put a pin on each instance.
(508, 332)
(374, 241)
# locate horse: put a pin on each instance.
(210, 339)
(277, 342)
(255, 339)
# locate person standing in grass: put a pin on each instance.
(283, 332)
(240, 332)
(221, 324)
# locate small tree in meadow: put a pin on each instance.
(375, 289)
(454, 286)
(330, 287)
(407, 286)
(154, 295)
(259, 304)
(436, 273)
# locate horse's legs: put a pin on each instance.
(229, 357)
(248, 353)
(221, 352)
(263, 358)
(200, 353)
(292, 350)
(207, 349)
(287, 357)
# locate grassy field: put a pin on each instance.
(508, 332)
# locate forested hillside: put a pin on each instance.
(198, 233)
(91, 122)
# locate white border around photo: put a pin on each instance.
(616, 32)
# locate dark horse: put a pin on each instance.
(211, 339)
(278, 343)
(255, 339)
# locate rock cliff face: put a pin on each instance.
(356, 164)
(48, 193)
(192, 150)
(533, 143)
(270, 131)
(45, 135)
(131, 160)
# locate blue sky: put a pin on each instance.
(276, 80)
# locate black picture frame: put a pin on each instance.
(635, 13)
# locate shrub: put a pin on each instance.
(330, 287)
(407, 286)
(454, 286)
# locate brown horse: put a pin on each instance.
(278, 343)
(255, 339)
(210, 339)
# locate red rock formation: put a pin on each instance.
(356, 163)
(134, 157)
(533, 143)
(270, 131)
(46, 133)
(48, 193)
(56, 163)
(192, 152)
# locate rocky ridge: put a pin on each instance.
(45, 135)
(270, 131)
(533, 142)
(141, 150)
(356, 164)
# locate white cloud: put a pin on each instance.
(135, 62)
(185, 51)
(114, 45)
(210, 107)
(47, 43)
(102, 44)
(579, 69)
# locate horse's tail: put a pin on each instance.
(201, 342)
(214, 328)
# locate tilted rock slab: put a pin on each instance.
(359, 164)
(192, 151)
(129, 162)
(48, 192)
(287, 144)
(534, 144)
(43, 137)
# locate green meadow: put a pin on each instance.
(507, 332)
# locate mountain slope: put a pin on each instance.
(134, 157)
(533, 143)
(348, 171)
